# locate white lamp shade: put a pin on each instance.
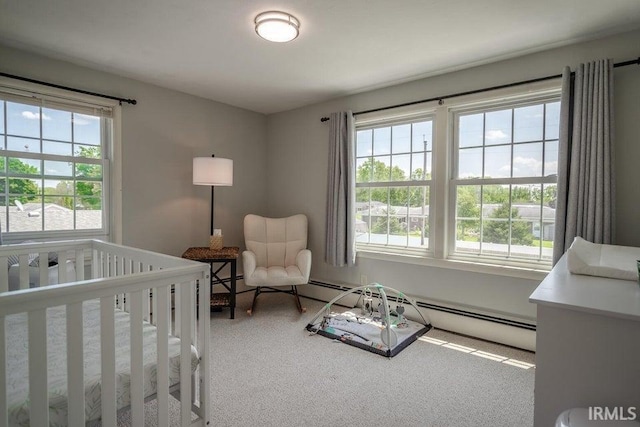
(212, 171)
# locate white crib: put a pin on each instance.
(147, 328)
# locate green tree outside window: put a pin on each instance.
(497, 231)
(19, 186)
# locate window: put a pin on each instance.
(474, 180)
(504, 180)
(393, 181)
(54, 167)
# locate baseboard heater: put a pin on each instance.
(459, 312)
(421, 304)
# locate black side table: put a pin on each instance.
(225, 255)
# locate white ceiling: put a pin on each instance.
(209, 47)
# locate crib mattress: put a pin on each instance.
(17, 363)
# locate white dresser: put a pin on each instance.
(587, 343)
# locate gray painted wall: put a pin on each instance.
(280, 164)
(162, 210)
(297, 157)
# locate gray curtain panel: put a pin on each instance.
(586, 186)
(341, 200)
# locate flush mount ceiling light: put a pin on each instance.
(277, 27)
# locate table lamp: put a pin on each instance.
(215, 172)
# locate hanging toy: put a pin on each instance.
(367, 302)
(382, 310)
(402, 321)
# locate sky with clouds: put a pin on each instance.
(485, 142)
(28, 126)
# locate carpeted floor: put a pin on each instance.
(268, 371)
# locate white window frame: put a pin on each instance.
(442, 200)
(373, 123)
(49, 97)
(455, 182)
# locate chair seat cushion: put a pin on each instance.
(276, 276)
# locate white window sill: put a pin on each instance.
(48, 236)
(486, 268)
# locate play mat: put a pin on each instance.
(373, 324)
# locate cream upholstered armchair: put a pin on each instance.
(276, 255)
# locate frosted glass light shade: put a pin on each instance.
(212, 171)
(277, 27)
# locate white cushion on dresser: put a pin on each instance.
(594, 259)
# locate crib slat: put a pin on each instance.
(105, 264)
(108, 359)
(4, 416)
(185, 354)
(126, 302)
(44, 268)
(203, 348)
(62, 267)
(161, 316)
(95, 264)
(137, 268)
(172, 319)
(24, 271)
(177, 311)
(154, 307)
(126, 266)
(194, 336)
(101, 270)
(75, 364)
(137, 391)
(126, 269)
(113, 268)
(106, 259)
(4, 274)
(80, 264)
(117, 265)
(38, 387)
(192, 300)
(145, 305)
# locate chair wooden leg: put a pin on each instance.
(253, 304)
(293, 291)
(301, 309)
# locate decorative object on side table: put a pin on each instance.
(223, 256)
(215, 241)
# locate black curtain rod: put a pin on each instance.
(86, 92)
(440, 99)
